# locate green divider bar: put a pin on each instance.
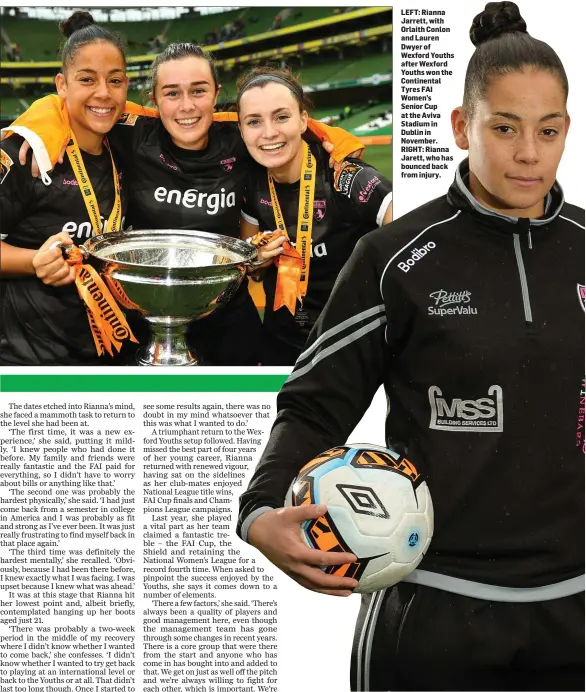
(142, 383)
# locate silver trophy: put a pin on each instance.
(172, 277)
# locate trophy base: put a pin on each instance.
(167, 346)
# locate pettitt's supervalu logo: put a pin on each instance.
(467, 415)
(5, 165)
(451, 303)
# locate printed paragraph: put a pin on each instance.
(196, 457)
(120, 566)
(425, 64)
(67, 530)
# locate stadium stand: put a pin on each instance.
(38, 39)
(342, 55)
(331, 71)
(250, 21)
(10, 106)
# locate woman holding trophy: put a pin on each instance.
(320, 214)
(185, 170)
(43, 319)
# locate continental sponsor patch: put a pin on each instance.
(344, 178)
(5, 165)
(127, 119)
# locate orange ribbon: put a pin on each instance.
(289, 265)
(288, 288)
(108, 325)
(293, 266)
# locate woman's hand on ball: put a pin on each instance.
(276, 533)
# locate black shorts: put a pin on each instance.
(414, 637)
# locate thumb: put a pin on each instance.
(62, 237)
(65, 237)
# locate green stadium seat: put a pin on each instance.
(40, 39)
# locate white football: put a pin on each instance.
(379, 508)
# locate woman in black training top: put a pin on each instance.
(469, 311)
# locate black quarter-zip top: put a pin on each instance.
(473, 321)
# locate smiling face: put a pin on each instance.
(185, 94)
(515, 139)
(94, 86)
(272, 123)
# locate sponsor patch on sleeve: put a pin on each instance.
(344, 178)
(5, 165)
(127, 119)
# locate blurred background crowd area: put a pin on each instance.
(341, 55)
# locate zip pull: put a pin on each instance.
(522, 277)
(524, 226)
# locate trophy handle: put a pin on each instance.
(255, 264)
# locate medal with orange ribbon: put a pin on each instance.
(293, 265)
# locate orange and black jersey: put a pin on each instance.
(42, 325)
(171, 187)
(347, 204)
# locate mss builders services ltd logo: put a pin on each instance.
(467, 415)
